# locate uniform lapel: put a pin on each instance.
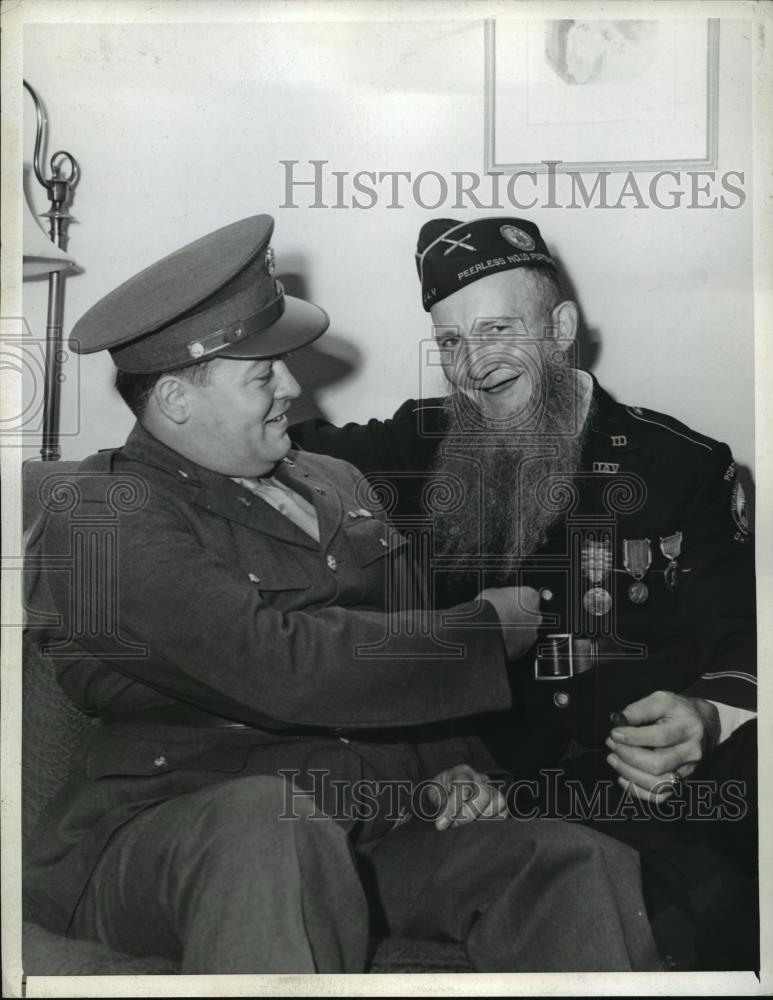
(215, 492)
(609, 440)
(318, 489)
(237, 503)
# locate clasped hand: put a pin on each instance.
(667, 737)
(461, 795)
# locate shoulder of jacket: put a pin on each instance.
(105, 477)
(419, 409)
(664, 426)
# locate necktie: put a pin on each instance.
(294, 507)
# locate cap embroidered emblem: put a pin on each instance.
(456, 243)
(517, 237)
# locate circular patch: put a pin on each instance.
(738, 507)
(517, 237)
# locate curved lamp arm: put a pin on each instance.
(64, 176)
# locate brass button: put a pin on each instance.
(332, 562)
(253, 578)
(160, 761)
(384, 542)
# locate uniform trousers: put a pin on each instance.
(216, 881)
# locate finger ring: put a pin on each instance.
(676, 782)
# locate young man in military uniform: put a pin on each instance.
(241, 618)
(630, 525)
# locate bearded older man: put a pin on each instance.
(631, 525)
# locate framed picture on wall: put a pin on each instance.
(615, 95)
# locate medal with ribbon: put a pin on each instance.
(596, 564)
(637, 556)
(671, 547)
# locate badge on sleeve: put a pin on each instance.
(738, 508)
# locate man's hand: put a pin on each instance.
(466, 796)
(668, 735)
(519, 616)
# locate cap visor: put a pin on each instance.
(299, 325)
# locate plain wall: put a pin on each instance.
(180, 129)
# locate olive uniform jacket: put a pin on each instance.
(672, 510)
(216, 639)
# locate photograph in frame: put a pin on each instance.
(617, 89)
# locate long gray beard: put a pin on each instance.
(491, 487)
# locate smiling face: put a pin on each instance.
(236, 422)
(491, 334)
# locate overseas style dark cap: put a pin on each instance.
(216, 297)
(453, 254)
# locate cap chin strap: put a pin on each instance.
(241, 329)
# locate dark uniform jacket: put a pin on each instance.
(647, 479)
(217, 639)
